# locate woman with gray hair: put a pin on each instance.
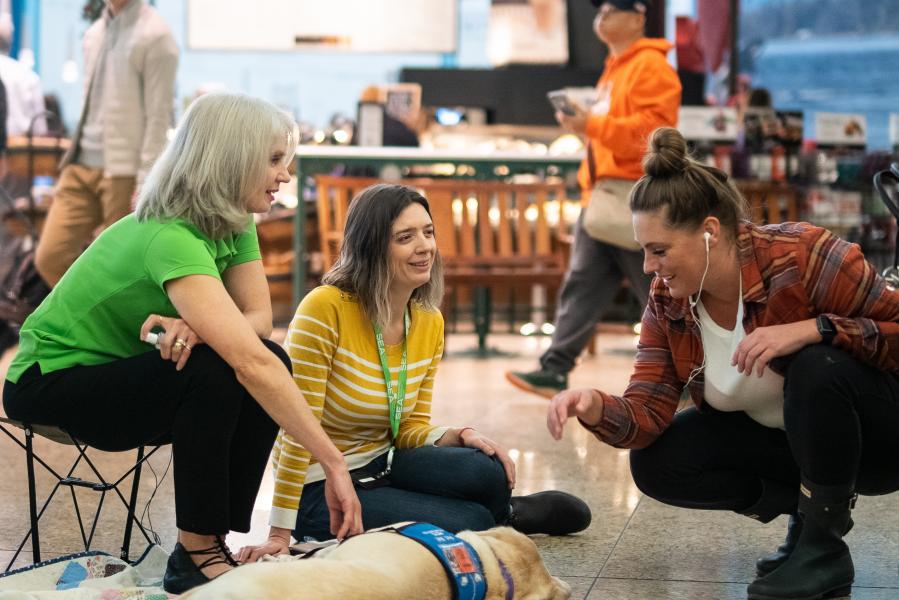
(188, 265)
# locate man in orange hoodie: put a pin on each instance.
(637, 93)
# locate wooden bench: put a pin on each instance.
(490, 234)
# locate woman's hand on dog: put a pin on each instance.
(277, 543)
(343, 504)
(585, 404)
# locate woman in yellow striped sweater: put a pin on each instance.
(377, 314)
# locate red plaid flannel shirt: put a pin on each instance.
(791, 272)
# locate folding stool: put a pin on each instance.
(101, 485)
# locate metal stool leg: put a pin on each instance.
(72, 481)
(135, 483)
(32, 496)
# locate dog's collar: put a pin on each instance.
(458, 558)
(507, 577)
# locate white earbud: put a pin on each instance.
(693, 301)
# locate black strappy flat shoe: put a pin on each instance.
(182, 573)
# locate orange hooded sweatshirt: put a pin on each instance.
(643, 93)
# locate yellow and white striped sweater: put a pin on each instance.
(336, 367)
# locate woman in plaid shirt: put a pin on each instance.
(787, 342)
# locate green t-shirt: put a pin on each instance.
(94, 314)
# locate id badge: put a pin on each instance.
(369, 482)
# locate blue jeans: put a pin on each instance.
(453, 488)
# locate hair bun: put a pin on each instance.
(667, 153)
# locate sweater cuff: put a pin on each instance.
(435, 435)
(587, 426)
(283, 517)
(613, 423)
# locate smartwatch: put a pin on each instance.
(826, 329)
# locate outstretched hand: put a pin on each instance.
(585, 404)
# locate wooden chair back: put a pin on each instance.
(333, 197)
(498, 230)
(480, 225)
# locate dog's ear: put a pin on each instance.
(504, 534)
(521, 543)
(522, 558)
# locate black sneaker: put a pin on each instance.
(553, 513)
(541, 382)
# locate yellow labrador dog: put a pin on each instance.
(386, 565)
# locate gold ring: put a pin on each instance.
(179, 343)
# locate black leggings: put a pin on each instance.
(841, 420)
(221, 438)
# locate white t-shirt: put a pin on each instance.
(728, 390)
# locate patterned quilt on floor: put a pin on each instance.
(89, 576)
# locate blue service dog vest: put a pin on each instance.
(458, 557)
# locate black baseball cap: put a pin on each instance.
(638, 6)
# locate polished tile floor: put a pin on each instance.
(636, 548)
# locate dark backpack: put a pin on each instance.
(21, 288)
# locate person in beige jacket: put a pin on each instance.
(130, 60)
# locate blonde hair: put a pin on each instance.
(217, 158)
(689, 190)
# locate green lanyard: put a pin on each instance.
(394, 401)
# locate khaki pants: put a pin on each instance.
(83, 201)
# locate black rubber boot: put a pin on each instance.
(553, 513)
(820, 565)
(767, 564)
(776, 499)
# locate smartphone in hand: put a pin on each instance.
(561, 102)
